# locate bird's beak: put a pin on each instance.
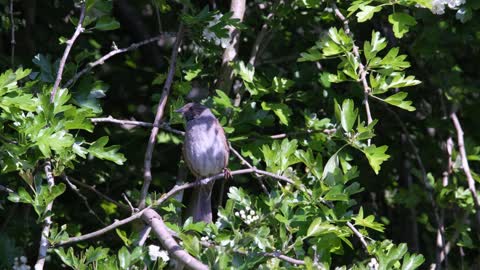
(181, 110)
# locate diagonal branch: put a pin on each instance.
(465, 165)
(161, 231)
(147, 173)
(70, 42)
(44, 244)
(110, 54)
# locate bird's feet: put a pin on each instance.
(227, 174)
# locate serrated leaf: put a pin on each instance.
(367, 13)
(282, 111)
(376, 156)
(398, 100)
(412, 261)
(401, 23)
(99, 150)
(107, 23)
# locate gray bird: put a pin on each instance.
(206, 153)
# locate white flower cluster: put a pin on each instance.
(154, 252)
(20, 264)
(373, 264)
(438, 6)
(211, 36)
(248, 215)
(207, 238)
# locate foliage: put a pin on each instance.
(350, 101)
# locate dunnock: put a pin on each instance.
(206, 153)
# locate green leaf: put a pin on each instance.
(376, 156)
(282, 111)
(21, 196)
(319, 227)
(336, 194)
(368, 222)
(280, 85)
(124, 237)
(222, 99)
(124, 258)
(107, 23)
(412, 261)
(348, 115)
(401, 23)
(331, 166)
(159, 79)
(367, 12)
(99, 150)
(398, 100)
(246, 72)
(68, 257)
(95, 254)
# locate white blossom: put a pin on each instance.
(21, 264)
(154, 252)
(438, 7)
(462, 15)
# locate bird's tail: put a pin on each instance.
(201, 203)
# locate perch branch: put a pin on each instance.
(147, 173)
(166, 196)
(70, 42)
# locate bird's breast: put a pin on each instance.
(204, 147)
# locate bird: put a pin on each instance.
(206, 153)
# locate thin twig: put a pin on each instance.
(246, 163)
(166, 196)
(163, 125)
(44, 244)
(147, 165)
(12, 40)
(129, 203)
(104, 58)
(84, 199)
(465, 165)
(358, 234)
(100, 194)
(143, 235)
(361, 68)
(70, 42)
(153, 219)
(6, 189)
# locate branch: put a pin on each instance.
(224, 83)
(163, 125)
(147, 173)
(112, 53)
(84, 199)
(12, 41)
(465, 165)
(42, 251)
(161, 231)
(246, 163)
(6, 189)
(165, 197)
(100, 194)
(70, 42)
(361, 67)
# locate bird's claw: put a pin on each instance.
(227, 174)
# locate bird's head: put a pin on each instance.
(192, 110)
